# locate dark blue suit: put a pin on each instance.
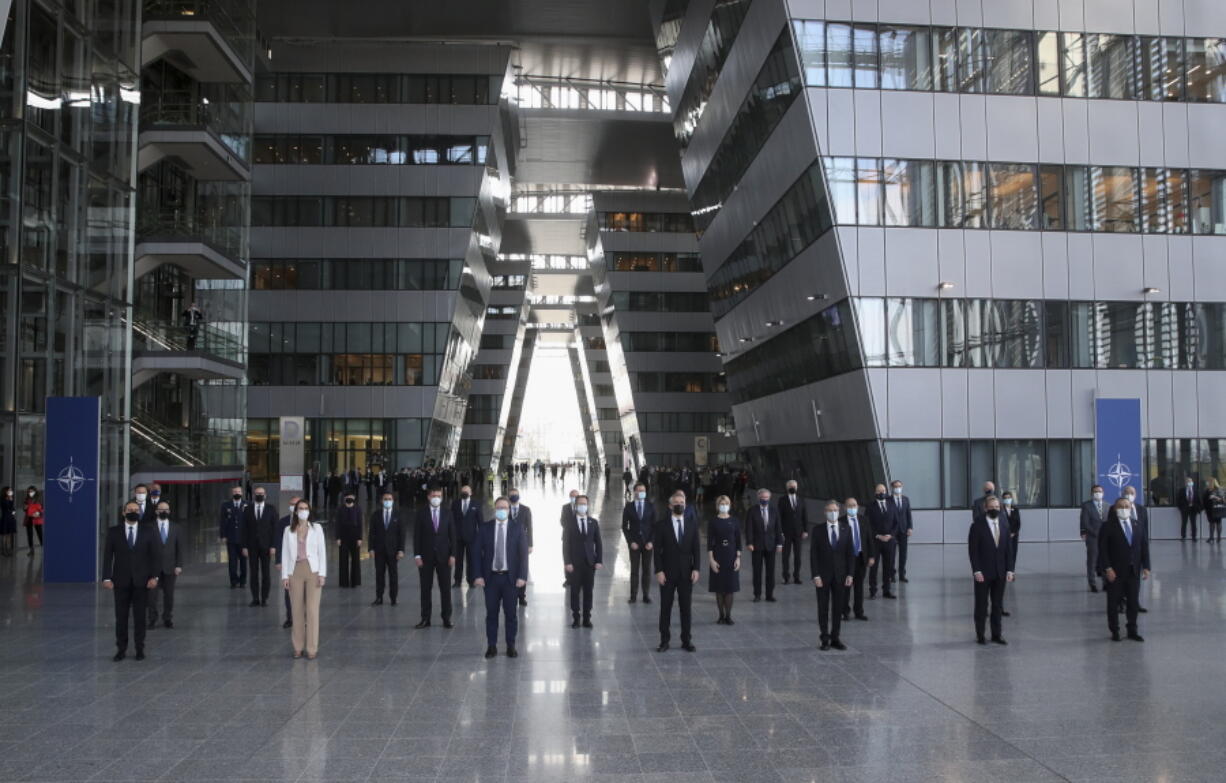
(640, 531)
(1127, 559)
(468, 524)
(500, 587)
(231, 531)
(993, 557)
(884, 523)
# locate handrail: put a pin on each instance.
(171, 337)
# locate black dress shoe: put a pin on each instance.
(903, 579)
(632, 600)
(169, 624)
(254, 603)
(824, 646)
(1003, 613)
(872, 596)
(119, 656)
(287, 624)
(377, 602)
(458, 582)
(980, 640)
(999, 640)
(846, 616)
(662, 648)
(1093, 588)
(511, 652)
(140, 655)
(423, 624)
(263, 603)
(523, 602)
(448, 624)
(1136, 637)
(770, 599)
(757, 598)
(646, 599)
(862, 617)
(836, 644)
(574, 623)
(587, 623)
(796, 581)
(728, 621)
(491, 651)
(890, 596)
(1115, 636)
(689, 647)
(1142, 610)
(152, 624)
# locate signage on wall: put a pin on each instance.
(70, 489)
(1117, 444)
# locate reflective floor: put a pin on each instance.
(913, 699)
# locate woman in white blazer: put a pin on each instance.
(304, 566)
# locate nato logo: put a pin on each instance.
(71, 479)
(1119, 474)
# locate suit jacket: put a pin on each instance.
(481, 555)
(832, 564)
(170, 553)
(884, 523)
(1116, 553)
(1181, 499)
(768, 537)
(150, 514)
(991, 558)
(1091, 520)
(902, 511)
(1014, 515)
(389, 540)
(677, 559)
(794, 522)
(636, 529)
(568, 513)
(868, 544)
(523, 515)
(130, 566)
(467, 523)
(348, 524)
(579, 550)
(431, 546)
(231, 521)
(258, 533)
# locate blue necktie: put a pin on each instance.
(1127, 531)
(131, 537)
(855, 534)
(163, 532)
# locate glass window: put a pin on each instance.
(811, 43)
(1051, 195)
(1010, 62)
(1013, 333)
(1047, 58)
(1112, 66)
(917, 464)
(1161, 68)
(906, 58)
(1014, 196)
(954, 332)
(1057, 330)
(963, 192)
(839, 56)
(868, 191)
(1207, 193)
(1060, 490)
(972, 60)
(1020, 468)
(1164, 201)
(1206, 59)
(864, 42)
(913, 333)
(1115, 199)
(1073, 65)
(870, 320)
(955, 483)
(841, 182)
(1078, 199)
(945, 59)
(910, 193)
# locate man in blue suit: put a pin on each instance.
(499, 558)
(466, 511)
(992, 557)
(1123, 558)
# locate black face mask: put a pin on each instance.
(678, 509)
(238, 496)
(259, 498)
(163, 515)
(791, 490)
(514, 498)
(993, 513)
(465, 496)
(132, 516)
(881, 496)
(348, 501)
(989, 492)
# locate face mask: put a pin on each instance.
(1131, 498)
(436, 501)
(1189, 483)
(304, 515)
(678, 508)
(897, 490)
(501, 514)
(163, 515)
(30, 494)
(465, 495)
(993, 513)
(387, 504)
(832, 516)
(764, 503)
(1098, 496)
(260, 498)
(852, 511)
(881, 496)
(132, 516)
(238, 496)
(140, 497)
(724, 508)
(791, 490)
(1007, 501)
(989, 492)
(642, 495)
(514, 498)
(581, 508)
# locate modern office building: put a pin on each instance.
(934, 233)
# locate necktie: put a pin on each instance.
(583, 525)
(855, 535)
(162, 527)
(834, 536)
(1098, 506)
(500, 548)
(514, 512)
(465, 507)
(131, 537)
(677, 528)
(793, 502)
(995, 532)
(639, 506)
(882, 504)
(435, 515)
(1127, 531)
(387, 519)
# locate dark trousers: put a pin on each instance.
(885, 562)
(289, 610)
(387, 572)
(1125, 589)
(764, 560)
(238, 564)
(166, 586)
(684, 592)
(261, 582)
(350, 564)
(461, 557)
(429, 571)
(1092, 558)
(830, 625)
(130, 600)
(792, 547)
(500, 595)
(640, 572)
(30, 534)
(853, 597)
(902, 555)
(994, 589)
(581, 580)
(1187, 517)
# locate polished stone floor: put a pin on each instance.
(913, 699)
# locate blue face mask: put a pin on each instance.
(514, 498)
(764, 503)
(387, 504)
(501, 514)
(851, 512)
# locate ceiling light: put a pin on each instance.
(945, 285)
(1151, 290)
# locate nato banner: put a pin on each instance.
(1117, 445)
(71, 489)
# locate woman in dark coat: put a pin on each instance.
(1010, 511)
(724, 555)
(8, 522)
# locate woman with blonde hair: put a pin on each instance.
(1214, 503)
(724, 557)
(304, 567)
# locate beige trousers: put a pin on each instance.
(304, 594)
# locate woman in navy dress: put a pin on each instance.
(724, 555)
(8, 522)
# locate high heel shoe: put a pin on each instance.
(297, 654)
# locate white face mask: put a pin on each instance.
(1131, 498)
(581, 508)
(304, 515)
(387, 504)
(1098, 496)
(436, 501)
(642, 496)
(724, 508)
(851, 512)
(140, 497)
(1007, 501)
(897, 490)
(832, 516)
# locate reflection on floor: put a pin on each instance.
(914, 699)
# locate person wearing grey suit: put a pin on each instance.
(1093, 514)
(169, 566)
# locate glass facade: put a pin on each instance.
(347, 354)
(375, 150)
(653, 262)
(357, 274)
(657, 302)
(339, 444)
(717, 40)
(363, 211)
(455, 89)
(666, 222)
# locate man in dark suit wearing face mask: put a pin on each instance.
(129, 569)
(583, 556)
(794, 521)
(992, 556)
(169, 566)
(677, 560)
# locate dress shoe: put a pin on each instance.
(491, 651)
(448, 624)
(903, 579)
(423, 624)
(846, 616)
(720, 621)
(511, 652)
(377, 602)
(242, 585)
(1115, 636)
(862, 617)
(980, 640)
(169, 624)
(254, 603)
(824, 646)
(1136, 637)
(646, 599)
(458, 582)
(297, 654)
(999, 640)
(263, 603)
(523, 602)
(287, 624)
(662, 648)
(770, 599)
(1003, 613)
(1093, 588)
(890, 596)
(574, 623)
(796, 581)
(836, 644)
(587, 623)
(233, 587)
(119, 656)
(1142, 610)
(872, 596)
(393, 602)
(633, 600)
(152, 624)
(140, 655)
(757, 598)
(689, 647)
(728, 621)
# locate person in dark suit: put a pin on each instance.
(980, 503)
(146, 507)
(231, 534)
(259, 545)
(765, 539)
(499, 558)
(129, 569)
(794, 522)
(522, 515)
(1013, 516)
(1093, 514)
(466, 511)
(991, 555)
(564, 519)
(385, 539)
(1188, 501)
(283, 525)
(832, 561)
(349, 531)
(883, 518)
(902, 509)
(168, 567)
(638, 528)
(1123, 557)
(678, 556)
(434, 548)
(1140, 520)
(864, 549)
(583, 555)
